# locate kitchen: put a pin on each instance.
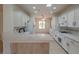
(48, 29)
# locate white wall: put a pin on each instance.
(12, 16)
(20, 17)
(7, 26)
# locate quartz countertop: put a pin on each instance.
(72, 36)
(23, 37)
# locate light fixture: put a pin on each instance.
(48, 5)
(54, 8)
(34, 7)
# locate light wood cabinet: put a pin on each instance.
(30, 48)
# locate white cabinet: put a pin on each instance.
(71, 18)
(65, 43)
(77, 16)
(74, 47)
(63, 19)
(70, 45)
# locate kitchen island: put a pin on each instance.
(32, 44)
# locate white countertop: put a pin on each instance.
(72, 36)
(23, 37)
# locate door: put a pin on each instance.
(42, 25)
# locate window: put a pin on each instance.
(42, 24)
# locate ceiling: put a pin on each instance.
(41, 9)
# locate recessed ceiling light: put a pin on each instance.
(48, 5)
(34, 7)
(54, 7)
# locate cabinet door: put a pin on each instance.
(65, 44)
(63, 20)
(70, 18)
(74, 47)
(77, 16)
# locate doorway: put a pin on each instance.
(42, 25)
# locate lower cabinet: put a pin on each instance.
(30, 48)
(74, 47)
(70, 45)
(65, 43)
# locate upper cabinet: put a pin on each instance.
(69, 18)
(63, 19)
(76, 15)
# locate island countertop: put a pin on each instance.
(31, 38)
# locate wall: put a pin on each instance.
(21, 17)
(12, 16)
(47, 26)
